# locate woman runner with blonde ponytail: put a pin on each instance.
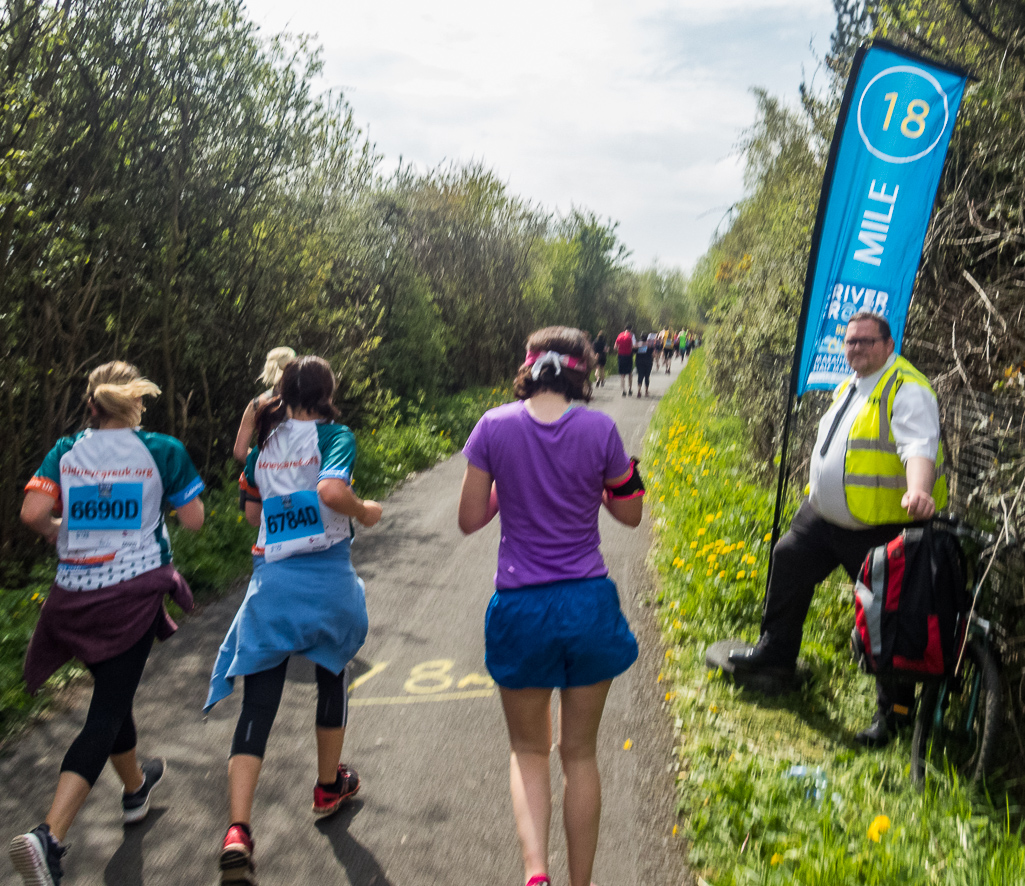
(273, 367)
(101, 496)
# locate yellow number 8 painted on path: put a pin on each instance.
(429, 677)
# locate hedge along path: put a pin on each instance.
(426, 731)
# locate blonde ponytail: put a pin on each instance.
(115, 393)
(277, 360)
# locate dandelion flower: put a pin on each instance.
(776, 859)
(880, 825)
(741, 574)
(768, 536)
(701, 531)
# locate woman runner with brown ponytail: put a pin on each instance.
(101, 496)
(304, 597)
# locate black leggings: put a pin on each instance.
(263, 695)
(109, 726)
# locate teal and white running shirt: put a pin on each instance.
(113, 486)
(284, 476)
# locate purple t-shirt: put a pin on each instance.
(550, 479)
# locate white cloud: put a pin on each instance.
(630, 109)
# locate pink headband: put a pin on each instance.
(540, 359)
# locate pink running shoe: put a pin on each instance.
(236, 860)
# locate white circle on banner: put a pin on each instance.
(933, 82)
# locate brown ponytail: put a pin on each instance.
(307, 383)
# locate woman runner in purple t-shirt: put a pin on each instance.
(554, 621)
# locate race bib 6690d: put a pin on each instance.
(104, 508)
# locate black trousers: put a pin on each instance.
(262, 696)
(811, 549)
(109, 726)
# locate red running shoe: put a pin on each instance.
(539, 880)
(237, 857)
(328, 800)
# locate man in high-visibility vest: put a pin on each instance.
(876, 467)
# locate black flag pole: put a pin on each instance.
(793, 401)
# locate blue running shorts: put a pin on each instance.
(567, 633)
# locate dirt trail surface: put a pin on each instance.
(426, 731)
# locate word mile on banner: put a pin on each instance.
(885, 163)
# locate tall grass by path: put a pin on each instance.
(853, 816)
(215, 558)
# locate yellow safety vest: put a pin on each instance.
(874, 476)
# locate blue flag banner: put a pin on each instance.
(888, 151)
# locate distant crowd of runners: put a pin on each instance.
(645, 353)
(545, 463)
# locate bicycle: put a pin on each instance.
(960, 716)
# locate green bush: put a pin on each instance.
(213, 558)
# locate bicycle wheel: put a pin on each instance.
(959, 720)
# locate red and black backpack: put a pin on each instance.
(910, 605)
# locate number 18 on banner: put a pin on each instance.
(884, 166)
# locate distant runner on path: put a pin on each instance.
(554, 621)
(106, 605)
(304, 596)
(601, 353)
(625, 345)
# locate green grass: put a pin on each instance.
(214, 559)
(746, 819)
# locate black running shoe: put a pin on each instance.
(327, 800)
(37, 857)
(135, 807)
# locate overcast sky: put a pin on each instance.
(628, 108)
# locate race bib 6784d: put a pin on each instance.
(293, 524)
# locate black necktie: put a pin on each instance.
(852, 390)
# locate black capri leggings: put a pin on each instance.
(263, 695)
(109, 726)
